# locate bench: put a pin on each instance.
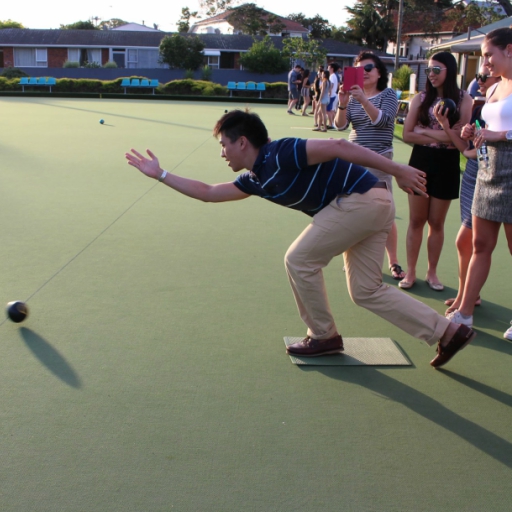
(137, 83)
(37, 82)
(249, 86)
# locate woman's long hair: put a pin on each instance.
(450, 89)
(500, 37)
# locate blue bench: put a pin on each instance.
(37, 82)
(249, 86)
(137, 83)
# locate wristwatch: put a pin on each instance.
(508, 135)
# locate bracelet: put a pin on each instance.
(162, 177)
(342, 108)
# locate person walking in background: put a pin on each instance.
(321, 108)
(293, 90)
(371, 111)
(300, 79)
(315, 90)
(464, 241)
(333, 94)
(305, 91)
(434, 153)
(492, 202)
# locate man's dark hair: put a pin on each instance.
(334, 65)
(238, 123)
(382, 82)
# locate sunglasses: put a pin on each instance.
(481, 77)
(434, 69)
(369, 67)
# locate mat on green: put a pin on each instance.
(357, 352)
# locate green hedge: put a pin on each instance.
(9, 84)
(186, 87)
(193, 88)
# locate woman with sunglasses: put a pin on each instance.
(464, 241)
(372, 111)
(492, 202)
(434, 153)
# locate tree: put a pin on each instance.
(264, 57)
(341, 34)
(371, 24)
(319, 28)
(112, 23)
(182, 52)
(275, 25)
(80, 25)
(507, 6)
(183, 24)
(253, 20)
(307, 50)
(249, 19)
(213, 7)
(472, 15)
(10, 24)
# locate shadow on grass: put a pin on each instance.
(423, 405)
(488, 391)
(50, 357)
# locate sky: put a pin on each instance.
(53, 13)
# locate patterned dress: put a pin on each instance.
(493, 192)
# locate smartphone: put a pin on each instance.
(352, 76)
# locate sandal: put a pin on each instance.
(397, 272)
(437, 287)
(449, 302)
(406, 285)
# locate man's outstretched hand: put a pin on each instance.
(148, 166)
(412, 180)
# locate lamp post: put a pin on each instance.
(399, 33)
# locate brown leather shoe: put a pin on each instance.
(309, 347)
(460, 339)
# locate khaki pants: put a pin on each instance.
(357, 226)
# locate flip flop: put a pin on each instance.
(449, 302)
(438, 287)
(405, 285)
(397, 271)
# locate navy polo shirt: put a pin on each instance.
(282, 175)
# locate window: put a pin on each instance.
(30, 57)
(143, 59)
(73, 55)
(84, 55)
(211, 58)
(41, 57)
(211, 61)
(132, 59)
